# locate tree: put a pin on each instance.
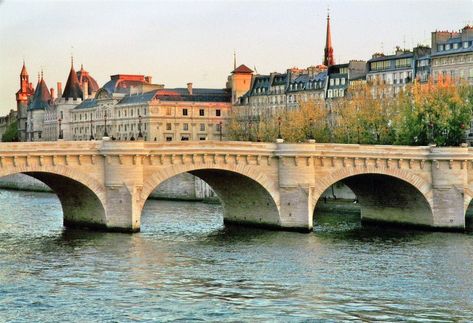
(11, 134)
(434, 114)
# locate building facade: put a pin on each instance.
(452, 55)
(7, 121)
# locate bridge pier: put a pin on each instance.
(448, 200)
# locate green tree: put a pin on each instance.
(11, 134)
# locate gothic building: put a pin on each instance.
(23, 99)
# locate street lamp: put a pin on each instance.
(311, 130)
(105, 133)
(279, 128)
(250, 124)
(220, 128)
(140, 134)
(91, 133)
(431, 132)
(60, 130)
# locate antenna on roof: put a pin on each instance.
(234, 60)
(72, 56)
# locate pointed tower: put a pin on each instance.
(72, 90)
(328, 52)
(35, 117)
(23, 98)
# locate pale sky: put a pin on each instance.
(177, 42)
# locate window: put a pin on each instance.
(202, 138)
(337, 81)
(62, 115)
(168, 111)
(168, 138)
(184, 112)
(331, 82)
(342, 81)
(185, 126)
(202, 127)
(201, 112)
(465, 44)
(218, 112)
(168, 126)
(185, 138)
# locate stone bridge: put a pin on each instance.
(105, 184)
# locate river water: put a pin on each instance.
(185, 265)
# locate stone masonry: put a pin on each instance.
(105, 184)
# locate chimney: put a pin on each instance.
(148, 79)
(85, 89)
(189, 88)
(59, 89)
(52, 93)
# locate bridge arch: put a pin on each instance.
(248, 196)
(384, 194)
(82, 197)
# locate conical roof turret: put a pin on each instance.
(41, 97)
(72, 90)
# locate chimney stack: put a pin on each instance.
(52, 93)
(59, 89)
(148, 79)
(189, 88)
(85, 89)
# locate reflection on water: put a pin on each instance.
(185, 265)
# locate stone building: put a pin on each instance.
(397, 70)
(452, 54)
(42, 101)
(340, 77)
(57, 118)
(129, 107)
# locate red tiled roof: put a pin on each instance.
(243, 69)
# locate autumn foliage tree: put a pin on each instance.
(420, 114)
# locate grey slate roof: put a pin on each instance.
(453, 51)
(41, 97)
(87, 104)
(390, 57)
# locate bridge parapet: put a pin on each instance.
(290, 177)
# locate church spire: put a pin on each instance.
(328, 52)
